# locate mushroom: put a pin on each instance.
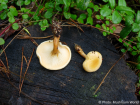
(93, 59)
(52, 54)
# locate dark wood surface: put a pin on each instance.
(71, 85)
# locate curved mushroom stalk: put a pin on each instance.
(79, 50)
(93, 59)
(52, 54)
(55, 50)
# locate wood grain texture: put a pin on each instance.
(71, 85)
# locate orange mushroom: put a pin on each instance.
(93, 59)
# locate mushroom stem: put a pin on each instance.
(55, 45)
(79, 50)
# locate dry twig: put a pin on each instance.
(76, 24)
(25, 59)
(26, 71)
(21, 70)
(26, 95)
(29, 37)
(10, 42)
(7, 64)
(132, 62)
(108, 73)
(5, 70)
(33, 41)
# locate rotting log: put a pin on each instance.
(71, 85)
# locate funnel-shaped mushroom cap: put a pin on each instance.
(50, 61)
(93, 61)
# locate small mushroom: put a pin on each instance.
(93, 59)
(52, 54)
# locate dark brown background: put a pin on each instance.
(71, 85)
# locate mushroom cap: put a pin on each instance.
(53, 62)
(92, 62)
